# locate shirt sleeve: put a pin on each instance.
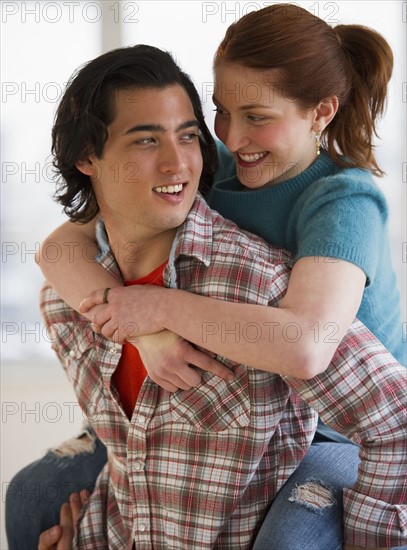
(343, 218)
(70, 333)
(71, 338)
(362, 395)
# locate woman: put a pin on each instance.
(297, 108)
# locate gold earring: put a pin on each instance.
(318, 142)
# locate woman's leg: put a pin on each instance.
(307, 512)
(36, 493)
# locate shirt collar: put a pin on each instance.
(193, 238)
(105, 255)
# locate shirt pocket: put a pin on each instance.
(71, 341)
(216, 404)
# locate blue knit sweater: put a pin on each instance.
(325, 211)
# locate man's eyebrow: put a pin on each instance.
(188, 124)
(145, 128)
(160, 128)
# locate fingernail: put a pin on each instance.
(85, 495)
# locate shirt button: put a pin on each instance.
(72, 353)
(142, 527)
(138, 466)
(113, 350)
(141, 420)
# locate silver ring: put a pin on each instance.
(105, 293)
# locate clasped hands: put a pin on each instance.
(132, 315)
(131, 311)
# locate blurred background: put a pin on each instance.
(42, 43)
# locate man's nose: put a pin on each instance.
(172, 159)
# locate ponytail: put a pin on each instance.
(371, 63)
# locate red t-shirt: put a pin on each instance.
(130, 372)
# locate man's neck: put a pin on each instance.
(138, 256)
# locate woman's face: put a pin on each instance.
(270, 137)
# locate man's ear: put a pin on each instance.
(87, 167)
(325, 111)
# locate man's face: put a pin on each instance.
(148, 176)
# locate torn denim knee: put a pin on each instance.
(83, 443)
(314, 495)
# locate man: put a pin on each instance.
(197, 468)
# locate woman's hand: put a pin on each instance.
(173, 363)
(130, 312)
(60, 537)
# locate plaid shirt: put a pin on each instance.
(197, 469)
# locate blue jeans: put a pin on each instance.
(36, 493)
(296, 519)
(307, 512)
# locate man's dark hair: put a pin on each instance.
(87, 108)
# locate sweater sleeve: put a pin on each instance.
(343, 218)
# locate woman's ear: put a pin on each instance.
(87, 167)
(325, 111)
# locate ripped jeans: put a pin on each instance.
(36, 493)
(305, 515)
(307, 512)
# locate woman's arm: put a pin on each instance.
(298, 338)
(67, 259)
(169, 360)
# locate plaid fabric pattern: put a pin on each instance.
(197, 469)
(367, 403)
